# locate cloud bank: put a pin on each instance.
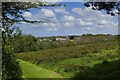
(75, 21)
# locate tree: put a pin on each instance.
(24, 43)
(8, 59)
(109, 7)
(12, 13)
(71, 37)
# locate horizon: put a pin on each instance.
(73, 35)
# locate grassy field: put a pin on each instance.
(85, 61)
(70, 67)
(33, 71)
(91, 59)
(75, 67)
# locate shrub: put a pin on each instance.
(105, 62)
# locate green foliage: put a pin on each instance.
(108, 6)
(27, 43)
(0, 51)
(69, 66)
(71, 37)
(9, 46)
(105, 62)
(8, 58)
(68, 61)
(51, 42)
(89, 60)
(73, 59)
(58, 54)
(108, 71)
(24, 43)
(15, 9)
(87, 35)
(11, 14)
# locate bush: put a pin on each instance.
(105, 62)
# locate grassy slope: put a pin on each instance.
(67, 65)
(88, 60)
(33, 71)
(92, 59)
(71, 65)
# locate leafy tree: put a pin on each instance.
(109, 7)
(23, 43)
(8, 59)
(71, 37)
(12, 13)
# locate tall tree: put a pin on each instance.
(12, 13)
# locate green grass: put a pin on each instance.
(92, 59)
(68, 67)
(69, 61)
(32, 71)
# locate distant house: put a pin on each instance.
(41, 40)
(77, 38)
(106, 39)
(44, 39)
(61, 39)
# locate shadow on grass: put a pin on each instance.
(110, 70)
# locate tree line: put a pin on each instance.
(28, 43)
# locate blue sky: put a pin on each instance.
(74, 19)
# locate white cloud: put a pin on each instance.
(45, 24)
(48, 13)
(51, 0)
(52, 24)
(115, 11)
(89, 17)
(68, 18)
(30, 16)
(88, 28)
(27, 14)
(93, 21)
(78, 21)
(68, 24)
(84, 23)
(52, 29)
(68, 21)
(61, 10)
(77, 10)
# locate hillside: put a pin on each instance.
(80, 61)
(33, 71)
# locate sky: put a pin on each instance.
(74, 19)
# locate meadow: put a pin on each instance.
(36, 72)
